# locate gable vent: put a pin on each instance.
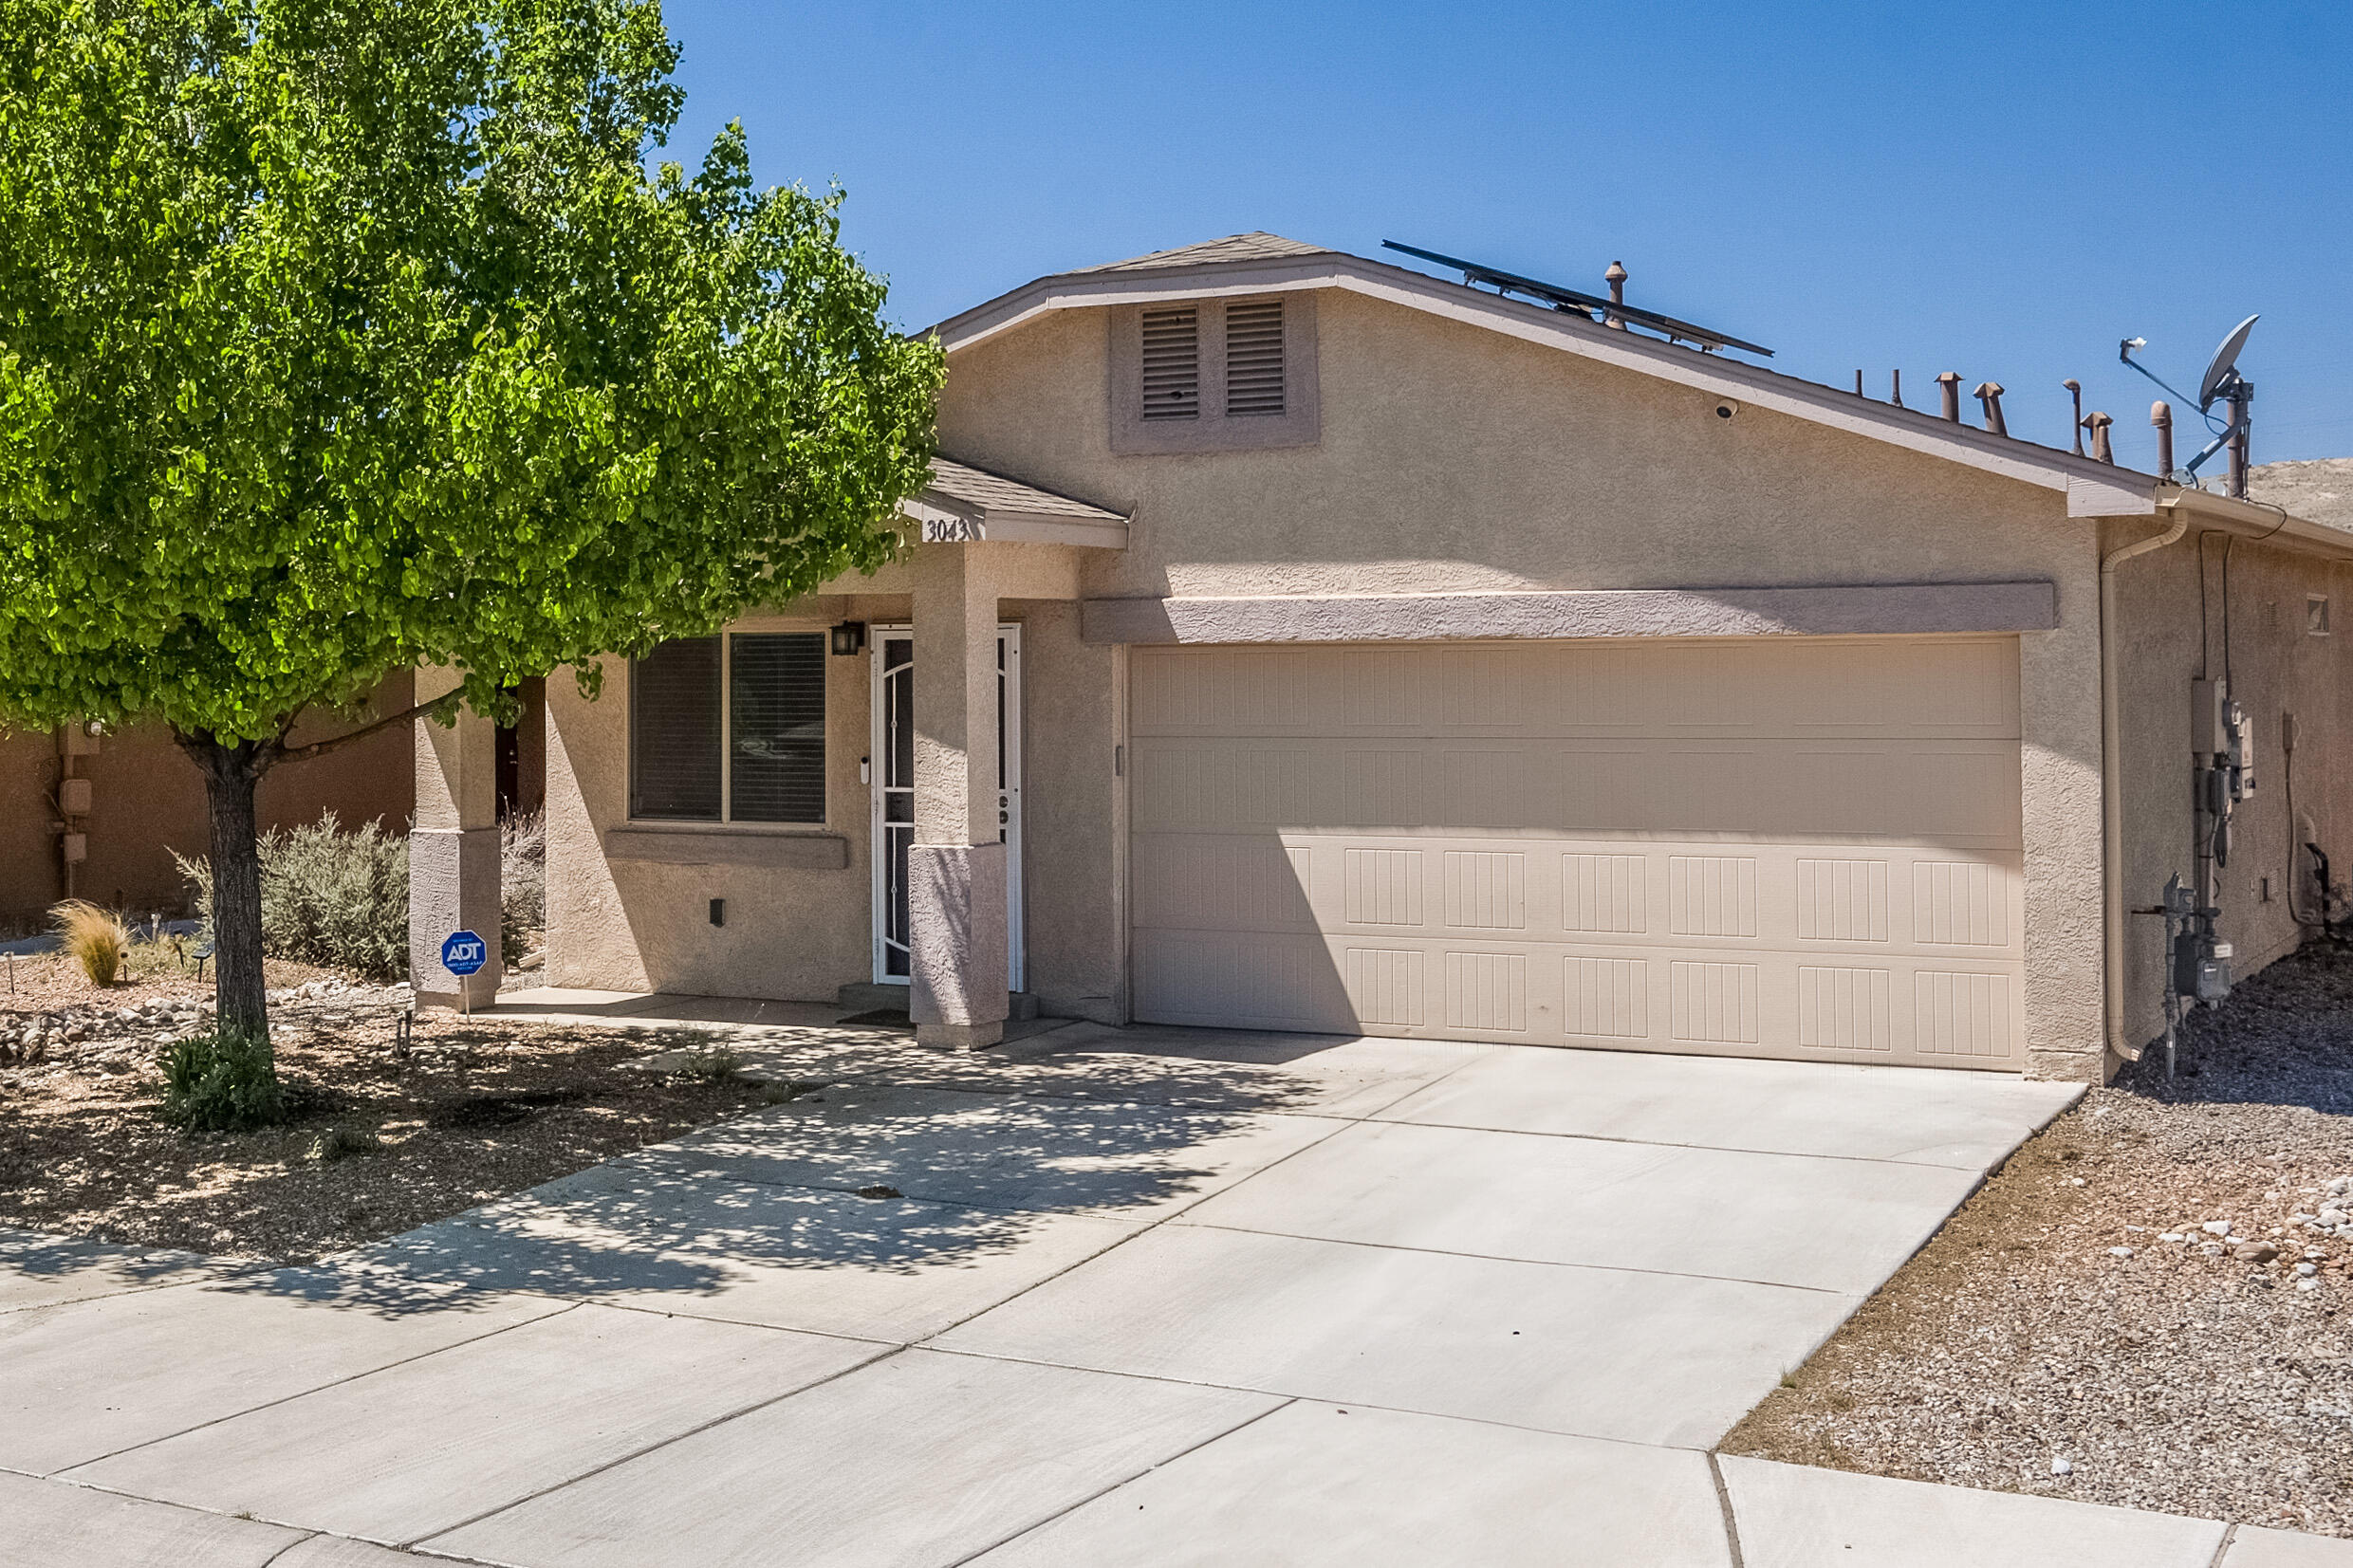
(1172, 364)
(1254, 358)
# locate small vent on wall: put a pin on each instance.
(1172, 364)
(1254, 358)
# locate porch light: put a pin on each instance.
(849, 636)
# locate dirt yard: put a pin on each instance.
(384, 1138)
(2147, 1306)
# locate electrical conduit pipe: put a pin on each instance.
(2111, 768)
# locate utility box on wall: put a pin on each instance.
(73, 797)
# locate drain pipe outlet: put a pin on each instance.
(2111, 771)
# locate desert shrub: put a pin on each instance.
(95, 938)
(715, 1064)
(223, 1081)
(330, 898)
(341, 1142)
(523, 884)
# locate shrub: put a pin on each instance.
(338, 1143)
(523, 884)
(717, 1064)
(94, 939)
(330, 898)
(222, 1081)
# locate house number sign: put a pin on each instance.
(953, 530)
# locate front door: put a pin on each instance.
(893, 772)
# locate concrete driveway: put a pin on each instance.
(1108, 1297)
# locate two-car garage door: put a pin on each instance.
(1789, 847)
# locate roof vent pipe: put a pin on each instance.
(1990, 394)
(1951, 384)
(2162, 417)
(2075, 391)
(1616, 278)
(1895, 387)
(1858, 384)
(2098, 424)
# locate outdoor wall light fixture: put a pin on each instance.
(718, 912)
(849, 636)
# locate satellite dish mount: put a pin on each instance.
(2222, 384)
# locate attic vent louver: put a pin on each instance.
(1255, 359)
(1172, 364)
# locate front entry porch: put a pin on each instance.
(756, 814)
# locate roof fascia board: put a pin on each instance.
(2249, 520)
(1012, 525)
(2094, 488)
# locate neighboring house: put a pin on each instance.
(1300, 642)
(94, 813)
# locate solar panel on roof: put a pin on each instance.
(1578, 303)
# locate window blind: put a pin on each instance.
(674, 731)
(777, 711)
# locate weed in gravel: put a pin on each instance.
(223, 1081)
(717, 1064)
(786, 1092)
(339, 1143)
(94, 938)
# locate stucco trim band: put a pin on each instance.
(1858, 609)
(774, 851)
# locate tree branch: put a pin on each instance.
(281, 752)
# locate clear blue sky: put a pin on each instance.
(2004, 191)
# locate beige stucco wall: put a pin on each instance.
(2275, 667)
(147, 800)
(1453, 458)
(793, 933)
(797, 933)
(1449, 458)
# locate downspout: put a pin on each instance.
(2111, 769)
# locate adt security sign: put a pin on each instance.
(463, 953)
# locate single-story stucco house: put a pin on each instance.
(1290, 640)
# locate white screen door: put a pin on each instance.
(893, 772)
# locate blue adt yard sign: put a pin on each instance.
(463, 953)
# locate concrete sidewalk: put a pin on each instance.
(1143, 1296)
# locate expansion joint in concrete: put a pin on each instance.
(1724, 1501)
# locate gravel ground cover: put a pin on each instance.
(386, 1137)
(2147, 1306)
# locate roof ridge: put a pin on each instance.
(1256, 245)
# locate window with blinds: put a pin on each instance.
(1255, 359)
(674, 731)
(1172, 364)
(729, 730)
(776, 712)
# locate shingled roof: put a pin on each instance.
(1256, 246)
(995, 493)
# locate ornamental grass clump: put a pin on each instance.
(94, 938)
(221, 1082)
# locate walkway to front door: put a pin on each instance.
(1145, 1297)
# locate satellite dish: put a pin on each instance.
(2224, 367)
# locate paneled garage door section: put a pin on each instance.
(1804, 848)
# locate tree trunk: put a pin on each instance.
(240, 994)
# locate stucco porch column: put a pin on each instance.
(454, 850)
(956, 867)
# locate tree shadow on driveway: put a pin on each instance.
(906, 1193)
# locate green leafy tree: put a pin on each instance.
(338, 337)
